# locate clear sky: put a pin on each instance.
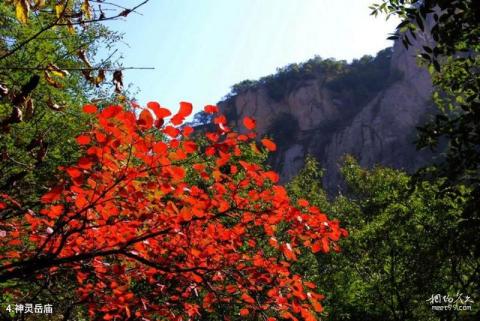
(200, 48)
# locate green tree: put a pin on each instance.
(453, 60)
(403, 246)
(48, 70)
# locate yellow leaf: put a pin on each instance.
(59, 9)
(87, 11)
(254, 148)
(52, 81)
(22, 8)
(70, 27)
(57, 71)
(100, 77)
(39, 4)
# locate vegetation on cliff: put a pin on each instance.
(360, 80)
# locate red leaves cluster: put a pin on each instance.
(169, 228)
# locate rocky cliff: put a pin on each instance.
(368, 108)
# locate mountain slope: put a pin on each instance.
(329, 108)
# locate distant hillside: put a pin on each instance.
(368, 108)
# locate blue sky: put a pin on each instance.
(200, 48)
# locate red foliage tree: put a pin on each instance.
(156, 224)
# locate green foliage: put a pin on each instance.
(365, 77)
(403, 246)
(308, 184)
(289, 77)
(33, 147)
(359, 80)
(454, 63)
(42, 138)
(284, 129)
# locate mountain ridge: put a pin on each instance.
(369, 108)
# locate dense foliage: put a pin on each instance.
(167, 228)
(49, 67)
(363, 78)
(403, 246)
(453, 59)
(43, 80)
(359, 80)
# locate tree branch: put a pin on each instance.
(124, 13)
(36, 35)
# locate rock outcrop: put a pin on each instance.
(315, 116)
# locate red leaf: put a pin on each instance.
(53, 195)
(316, 247)
(15, 242)
(177, 119)
(160, 112)
(110, 111)
(210, 109)
(321, 245)
(213, 137)
(244, 312)
(325, 245)
(83, 140)
(249, 123)
(185, 109)
(160, 148)
(307, 315)
(171, 131)
(145, 119)
(247, 298)
(270, 145)
(288, 252)
(316, 305)
(89, 109)
(74, 172)
(55, 211)
(186, 214)
(196, 278)
(272, 176)
(190, 147)
(187, 131)
(101, 138)
(177, 172)
(220, 120)
(85, 163)
(303, 202)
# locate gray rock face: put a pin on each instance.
(313, 119)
